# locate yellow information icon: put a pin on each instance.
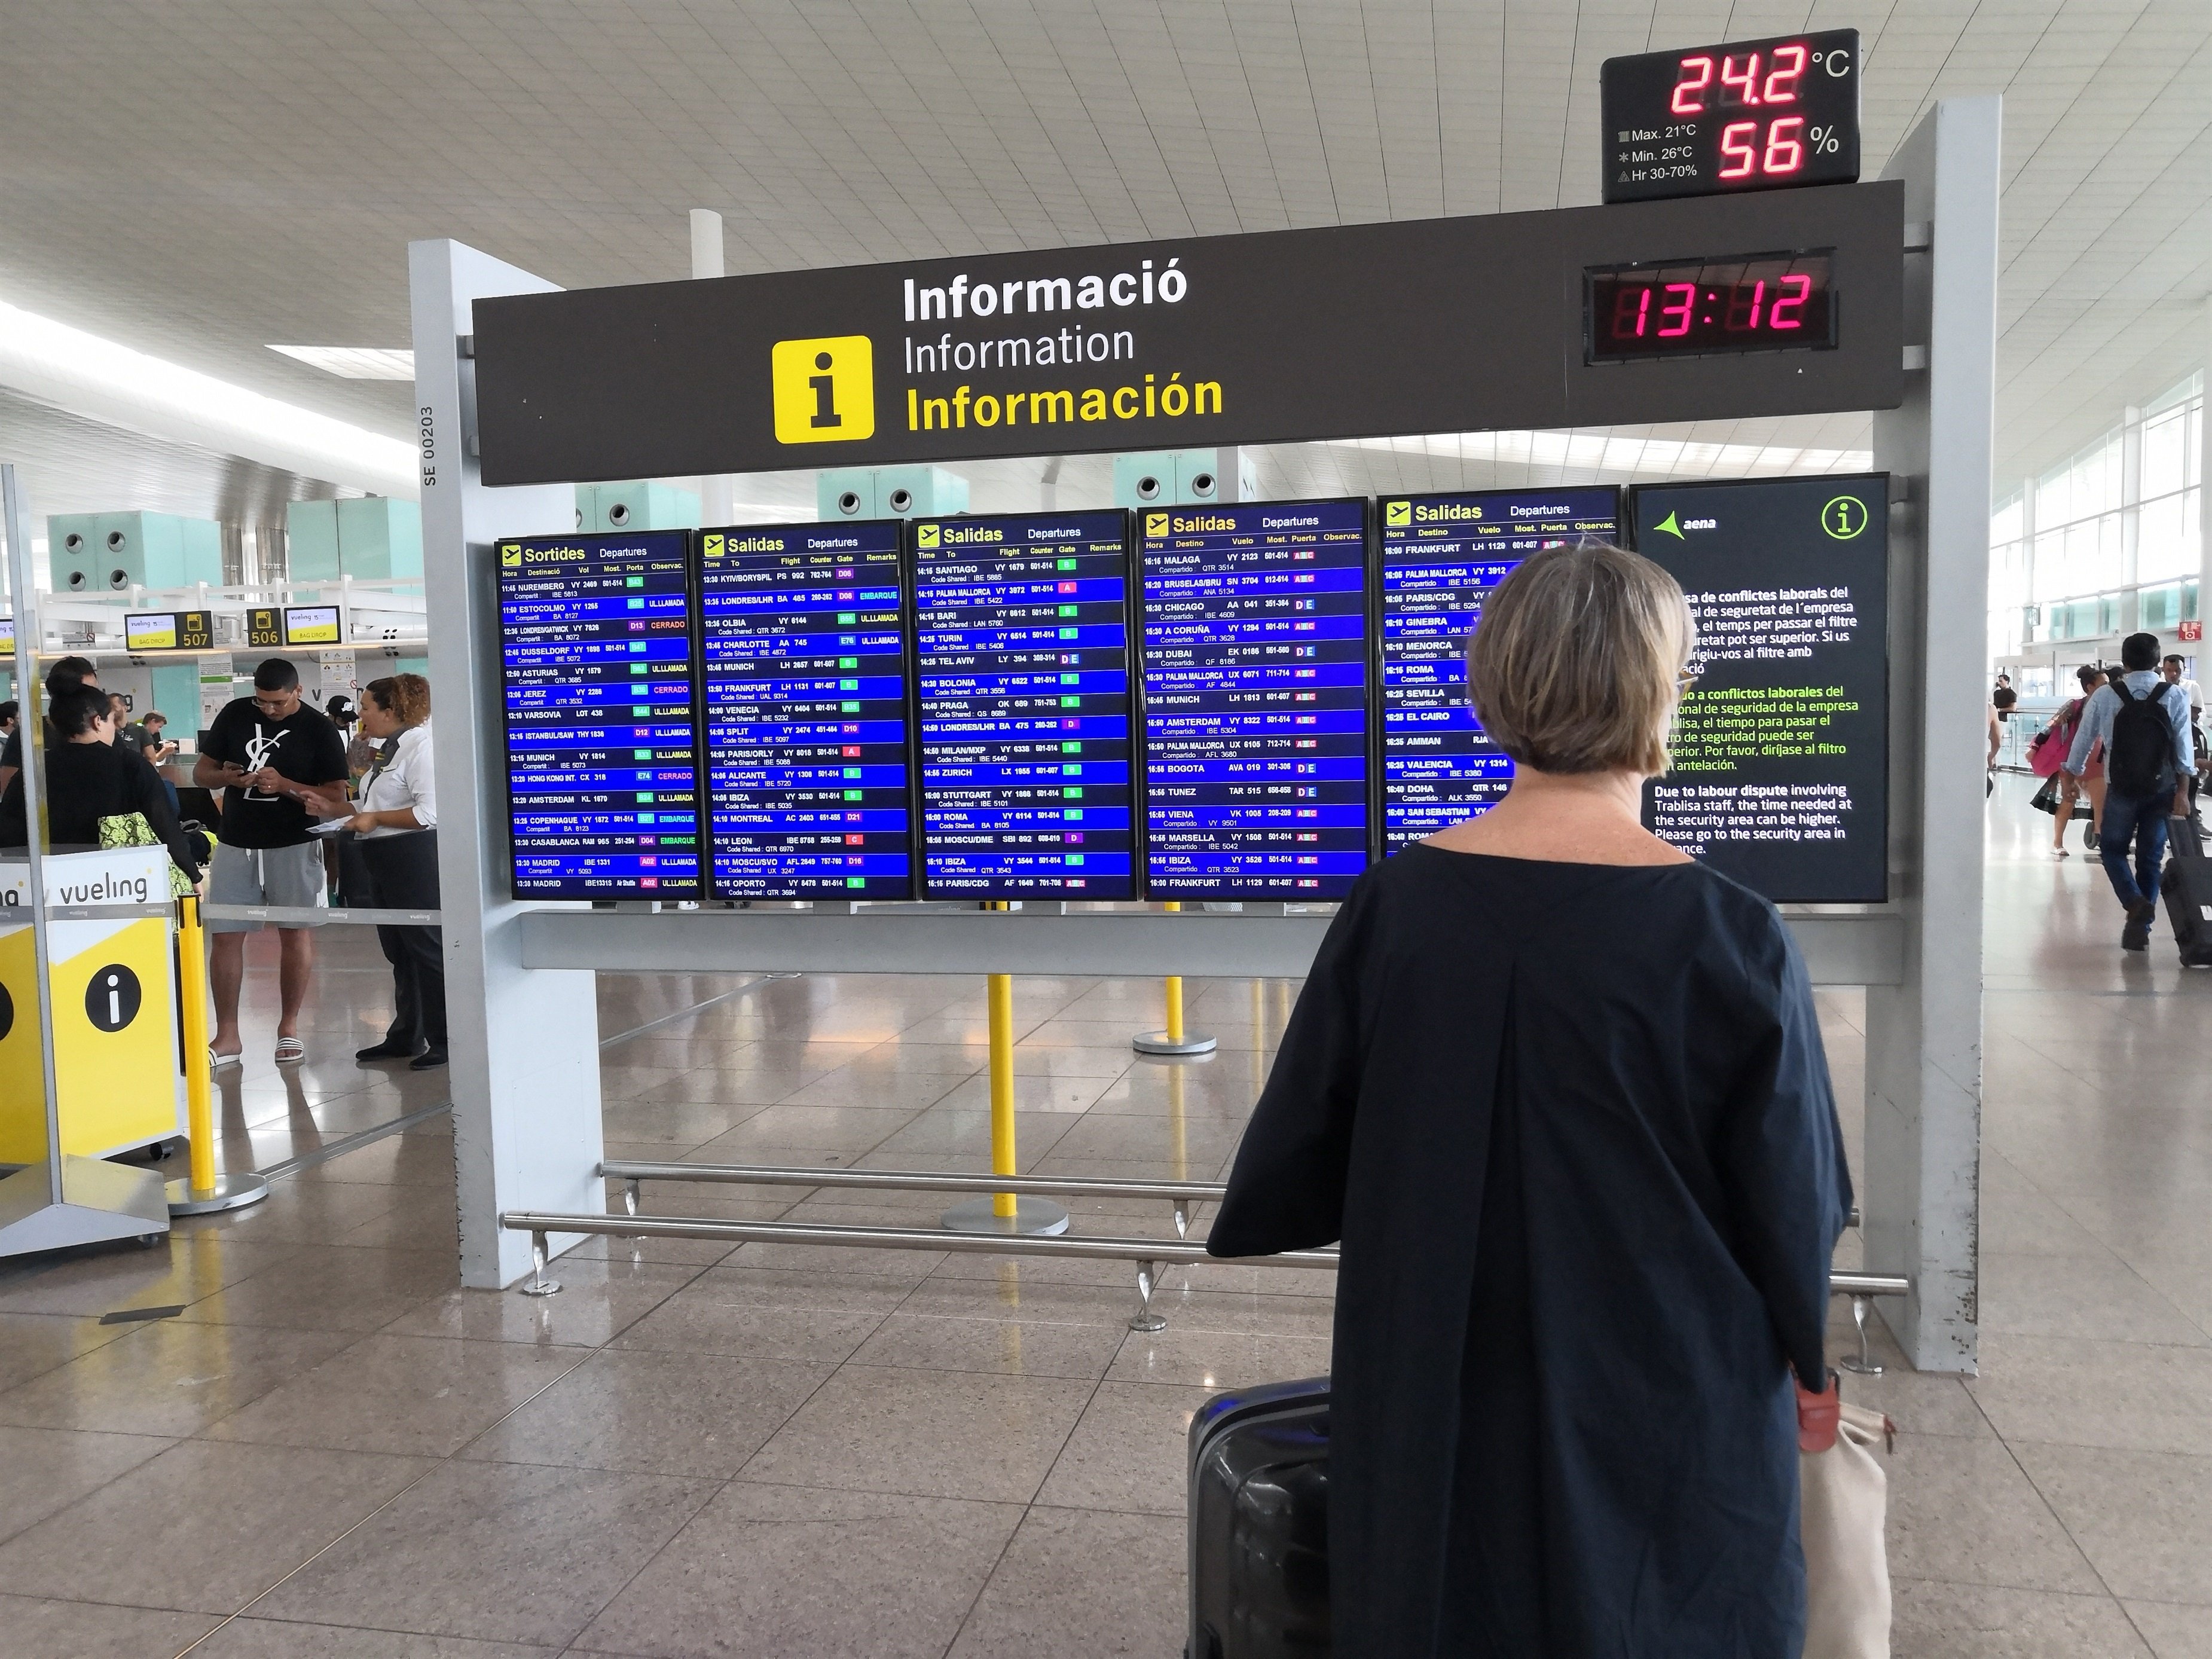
(1396, 514)
(824, 389)
(925, 535)
(1843, 517)
(1156, 524)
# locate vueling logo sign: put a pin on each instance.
(510, 555)
(824, 389)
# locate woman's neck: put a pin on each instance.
(1566, 818)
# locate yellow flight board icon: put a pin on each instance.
(925, 535)
(1396, 514)
(824, 389)
(1156, 524)
(510, 555)
(713, 543)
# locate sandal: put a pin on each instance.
(216, 1062)
(290, 1051)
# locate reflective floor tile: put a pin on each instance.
(1002, 1346)
(1129, 1450)
(2174, 1630)
(34, 1344)
(204, 1527)
(767, 1569)
(940, 1434)
(272, 1638)
(331, 1289)
(652, 1412)
(1931, 1621)
(598, 1300)
(2125, 1397)
(2144, 1519)
(43, 1470)
(1217, 1359)
(114, 1277)
(168, 1377)
(1961, 1510)
(401, 1394)
(500, 1552)
(2088, 1298)
(36, 1626)
(768, 1314)
(1083, 1580)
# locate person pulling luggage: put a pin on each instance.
(2149, 755)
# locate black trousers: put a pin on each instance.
(402, 875)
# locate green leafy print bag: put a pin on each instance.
(131, 829)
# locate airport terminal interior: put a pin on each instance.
(888, 742)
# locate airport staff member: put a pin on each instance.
(270, 755)
(396, 828)
(1586, 1196)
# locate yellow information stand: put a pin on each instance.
(114, 1009)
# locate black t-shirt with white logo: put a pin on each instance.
(304, 746)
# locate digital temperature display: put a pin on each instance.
(1758, 302)
(1750, 115)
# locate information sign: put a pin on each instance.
(805, 674)
(265, 627)
(1781, 751)
(1440, 557)
(596, 671)
(168, 631)
(1255, 698)
(1022, 677)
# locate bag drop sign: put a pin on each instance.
(1358, 331)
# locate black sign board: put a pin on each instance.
(264, 627)
(168, 631)
(1429, 325)
(1781, 751)
(1750, 115)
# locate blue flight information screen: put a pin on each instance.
(1022, 643)
(1440, 557)
(804, 668)
(1255, 698)
(595, 651)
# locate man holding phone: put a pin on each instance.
(274, 757)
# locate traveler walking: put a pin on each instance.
(2049, 758)
(88, 777)
(270, 755)
(1586, 1199)
(2143, 723)
(396, 828)
(2170, 671)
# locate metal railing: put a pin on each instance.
(1150, 1255)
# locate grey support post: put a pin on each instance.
(524, 1042)
(1923, 1035)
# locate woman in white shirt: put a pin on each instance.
(395, 827)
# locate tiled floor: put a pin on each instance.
(775, 1450)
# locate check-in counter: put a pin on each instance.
(119, 1084)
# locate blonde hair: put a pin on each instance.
(405, 695)
(1574, 664)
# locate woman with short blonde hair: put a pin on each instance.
(395, 827)
(1559, 1090)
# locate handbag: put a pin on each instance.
(1843, 1502)
(2047, 750)
(2045, 799)
(131, 829)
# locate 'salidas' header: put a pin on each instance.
(1360, 331)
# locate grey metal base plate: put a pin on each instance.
(100, 1201)
(230, 1192)
(1032, 1215)
(1158, 1042)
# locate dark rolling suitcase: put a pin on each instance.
(1259, 1524)
(2187, 889)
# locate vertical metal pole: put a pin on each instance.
(203, 1191)
(1002, 1157)
(1173, 1040)
(30, 721)
(717, 491)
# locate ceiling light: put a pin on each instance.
(355, 362)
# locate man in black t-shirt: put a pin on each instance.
(273, 757)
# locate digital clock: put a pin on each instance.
(1750, 115)
(1753, 302)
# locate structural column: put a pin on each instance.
(524, 1042)
(1922, 1166)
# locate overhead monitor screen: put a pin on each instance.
(1255, 698)
(1440, 557)
(1781, 751)
(595, 654)
(1021, 667)
(804, 667)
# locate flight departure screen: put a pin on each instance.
(1781, 750)
(1440, 557)
(596, 658)
(804, 671)
(1023, 669)
(1256, 683)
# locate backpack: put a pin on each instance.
(2141, 746)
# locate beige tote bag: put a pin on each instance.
(1844, 1503)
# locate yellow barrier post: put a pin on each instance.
(203, 1191)
(1173, 1041)
(1004, 1212)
